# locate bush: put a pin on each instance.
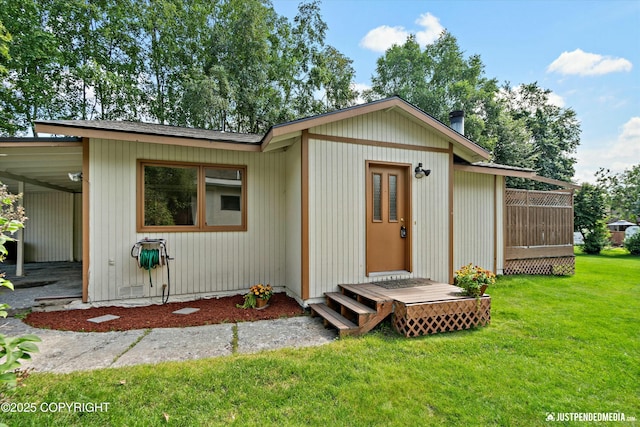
(12, 350)
(597, 239)
(632, 244)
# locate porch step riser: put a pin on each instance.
(351, 311)
(349, 308)
(331, 317)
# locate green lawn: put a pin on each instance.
(555, 345)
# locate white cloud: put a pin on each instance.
(631, 131)
(616, 155)
(432, 29)
(360, 87)
(583, 63)
(555, 99)
(383, 37)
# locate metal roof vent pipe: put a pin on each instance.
(456, 121)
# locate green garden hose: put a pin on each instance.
(149, 259)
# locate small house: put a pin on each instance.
(373, 192)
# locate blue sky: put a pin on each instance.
(586, 52)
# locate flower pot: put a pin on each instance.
(261, 303)
(482, 289)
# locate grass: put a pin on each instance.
(555, 345)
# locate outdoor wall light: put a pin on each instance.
(75, 176)
(421, 173)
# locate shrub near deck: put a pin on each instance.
(555, 345)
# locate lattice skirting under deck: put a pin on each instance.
(430, 318)
(559, 266)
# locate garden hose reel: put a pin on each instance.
(151, 254)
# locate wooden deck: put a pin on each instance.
(426, 291)
(429, 307)
(418, 307)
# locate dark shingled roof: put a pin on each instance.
(156, 129)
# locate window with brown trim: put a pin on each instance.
(191, 197)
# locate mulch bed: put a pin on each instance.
(212, 311)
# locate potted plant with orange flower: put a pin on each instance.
(258, 296)
(474, 280)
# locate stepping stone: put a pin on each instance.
(104, 318)
(186, 310)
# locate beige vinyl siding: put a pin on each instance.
(384, 126)
(205, 262)
(293, 226)
(337, 212)
(473, 209)
(500, 230)
(48, 233)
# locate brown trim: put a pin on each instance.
(140, 137)
(451, 210)
(306, 124)
(552, 181)
(515, 252)
(359, 141)
(39, 144)
(516, 174)
(408, 262)
(304, 154)
(387, 104)
(495, 224)
(368, 214)
(409, 216)
(201, 225)
(504, 223)
(494, 171)
(86, 207)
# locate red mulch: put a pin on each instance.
(161, 316)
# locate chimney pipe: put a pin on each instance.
(456, 121)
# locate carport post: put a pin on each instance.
(20, 238)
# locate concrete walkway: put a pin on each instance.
(64, 351)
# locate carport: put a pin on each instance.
(39, 168)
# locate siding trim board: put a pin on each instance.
(451, 214)
(360, 141)
(305, 215)
(495, 224)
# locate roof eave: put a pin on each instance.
(527, 174)
(86, 132)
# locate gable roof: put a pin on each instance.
(175, 135)
(462, 144)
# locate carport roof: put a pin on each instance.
(43, 164)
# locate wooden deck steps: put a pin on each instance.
(420, 307)
(353, 311)
(331, 317)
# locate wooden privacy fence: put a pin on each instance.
(539, 232)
